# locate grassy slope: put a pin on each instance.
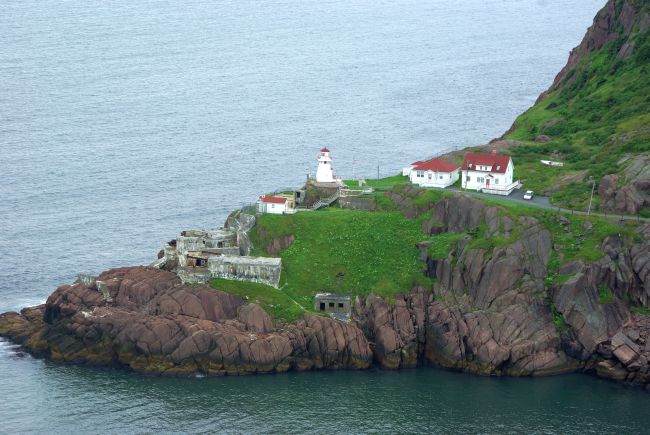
(359, 252)
(347, 251)
(597, 115)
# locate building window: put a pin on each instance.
(468, 179)
(496, 181)
(420, 174)
(441, 177)
(331, 304)
(340, 305)
(480, 179)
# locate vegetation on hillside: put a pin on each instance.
(361, 252)
(596, 117)
(346, 251)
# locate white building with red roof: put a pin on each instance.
(434, 173)
(272, 204)
(489, 173)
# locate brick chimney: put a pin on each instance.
(494, 151)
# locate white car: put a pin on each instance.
(529, 194)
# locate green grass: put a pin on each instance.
(605, 295)
(348, 252)
(379, 184)
(644, 311)
(274, 301)
(359, 252)
(581, 242)
(336, 250)
(442, 244)
(598, 114)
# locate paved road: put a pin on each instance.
(543, 202)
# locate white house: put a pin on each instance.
(324, 172)
(434, 173)
(407, 170)
(272, 204)
(489, 173)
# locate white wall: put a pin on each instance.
(324, 173)
(477, 179)
(434, 179)
(272, 208)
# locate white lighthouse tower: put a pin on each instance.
(324, 172)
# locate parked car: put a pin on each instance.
(529, 194)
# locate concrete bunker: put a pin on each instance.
(332, 303)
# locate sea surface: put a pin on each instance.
(124, 122)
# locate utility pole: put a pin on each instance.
(377, 172)
(593, 185)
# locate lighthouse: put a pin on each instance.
(324, 171)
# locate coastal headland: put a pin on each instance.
(436, 278)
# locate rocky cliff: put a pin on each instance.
(492, 309)
(495, 310)
(157, 325)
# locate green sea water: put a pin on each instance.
(69, 399)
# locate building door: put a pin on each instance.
(487, 182)
(322, 306)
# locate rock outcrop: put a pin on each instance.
(155, 324)
(492, 309)
(630, 192)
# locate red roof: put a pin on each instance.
(436, 165)
(274, 199)
(324, 150)
(494, 162)
(416, 163)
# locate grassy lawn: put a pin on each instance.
(340, 251)
(346, 251)
(379, 184)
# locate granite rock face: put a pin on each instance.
(155, 324)
(491, 310)
(631, 194)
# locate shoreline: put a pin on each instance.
(155, 325)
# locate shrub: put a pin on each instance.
(605, 295)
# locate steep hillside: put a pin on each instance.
(595, 118)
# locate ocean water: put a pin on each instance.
(122, 123)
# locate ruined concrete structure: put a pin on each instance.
(257, 269)
(200, 255)
(332, 303)
(194, 247)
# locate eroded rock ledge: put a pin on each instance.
(158, 325)
(490, 311)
